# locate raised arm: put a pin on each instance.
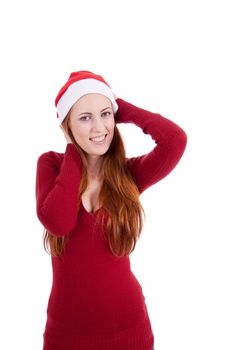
(57, 186)
(170, 142)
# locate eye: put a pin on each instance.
(85, 118)
(106, 114)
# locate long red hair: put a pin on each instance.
(118, 197)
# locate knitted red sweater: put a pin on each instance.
(96, 302)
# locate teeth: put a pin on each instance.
(98, 139)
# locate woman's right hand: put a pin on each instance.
(68, 139)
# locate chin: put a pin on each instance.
(99, 153)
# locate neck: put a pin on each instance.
(94, 164)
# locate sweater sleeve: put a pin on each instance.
(170, 142)
(57, 185)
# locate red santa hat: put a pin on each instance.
(81, 83)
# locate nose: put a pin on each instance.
(98, 124)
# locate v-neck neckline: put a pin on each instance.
(90, 213)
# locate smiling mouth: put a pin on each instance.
(98, 139)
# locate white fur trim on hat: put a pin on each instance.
(77, 90)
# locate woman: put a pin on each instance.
(88, 203)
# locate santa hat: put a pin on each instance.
(81, 83)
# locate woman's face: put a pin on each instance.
(92, 123)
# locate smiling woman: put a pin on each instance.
(88, 202)
(92, 128)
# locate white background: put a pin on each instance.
(171, 57)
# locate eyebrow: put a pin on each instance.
(91, 113)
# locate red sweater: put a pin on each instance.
(96, 302)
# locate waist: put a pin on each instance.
(97, 299)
